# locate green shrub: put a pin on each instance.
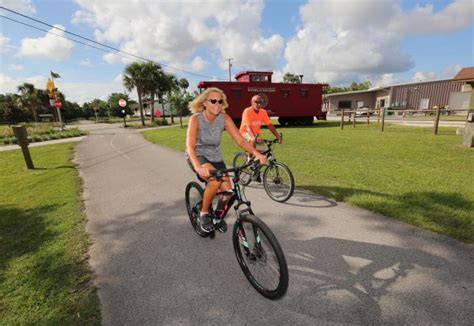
(160, 122)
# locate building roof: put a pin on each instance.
(374, 89)
(387, 88)
(465, 74)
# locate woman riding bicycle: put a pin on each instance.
(203, 147)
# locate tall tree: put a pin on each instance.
(155, 75)
(136, 76)
(29, 98)
(291, 78)
(114, 108)
(179, 104)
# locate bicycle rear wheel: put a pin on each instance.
(260, 256)
(193, 196)
(278, 182)
(246, 174)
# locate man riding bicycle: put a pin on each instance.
(252, 119)
(203, 148)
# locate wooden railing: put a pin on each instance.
(381, 113)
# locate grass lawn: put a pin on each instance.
(38, 132)
(406, 172)
(44, 275)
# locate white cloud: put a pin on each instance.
(173, 32)
(15, 67)
(86, 92)
(199, 64)
(119, 78)
(422, 20)
(23, 6)
(344, 41)
(85, 62)
(423, 76)
(451, 71)
(4, 44)
(385, 80)
(7, 85)
(49, 46)
(74, 92)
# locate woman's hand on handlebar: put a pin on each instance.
(202, 171)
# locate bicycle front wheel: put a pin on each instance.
(193, 197)
(246, 174)
(278, 182)
(260, 256)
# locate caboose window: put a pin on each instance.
(285, 93)
(303, 93)
(236, 93)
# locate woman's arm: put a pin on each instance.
(239, 140)
(191, 135)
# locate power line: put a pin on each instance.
(117, 51)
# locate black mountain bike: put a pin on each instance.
(277, 178)
(257, 250)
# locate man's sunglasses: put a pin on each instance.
(258, 102)
(214, 101)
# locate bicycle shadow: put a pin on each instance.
(300, 198)
(345, 280)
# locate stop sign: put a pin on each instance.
(122, 102)
(58, 104)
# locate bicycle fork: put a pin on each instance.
(256, 251)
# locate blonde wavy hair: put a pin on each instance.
(197, 105)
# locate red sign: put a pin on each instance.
(58, 104)
(122, 102)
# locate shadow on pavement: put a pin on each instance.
(344, 281)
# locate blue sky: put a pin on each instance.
(339, 41)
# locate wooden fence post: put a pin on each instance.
(436, 122)
(354, 120)
(383, 117)
(342, 119)
(22, 137)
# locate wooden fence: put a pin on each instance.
(381, 113)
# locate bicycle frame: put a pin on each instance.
(237, 195)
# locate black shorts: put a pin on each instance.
(217, 165)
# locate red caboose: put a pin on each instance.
(295, 104)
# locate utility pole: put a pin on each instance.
(230, 65)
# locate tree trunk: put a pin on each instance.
(35, 114)
(140, 104)
(162, 106)
(152, 108)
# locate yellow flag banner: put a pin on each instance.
(50, 86)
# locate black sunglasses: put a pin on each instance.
(258, 102)
(214, 101)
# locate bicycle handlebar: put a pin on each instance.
(220, 173)
(266, 141)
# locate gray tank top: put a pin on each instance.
(209, 137)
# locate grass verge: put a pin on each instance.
(405, 173)
(44, 275)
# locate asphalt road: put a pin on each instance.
(347, 265)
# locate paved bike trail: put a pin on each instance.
(347, 265)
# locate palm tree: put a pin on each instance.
(136, 76)
(29, 98)
(155, 76)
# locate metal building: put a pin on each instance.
(409, 96)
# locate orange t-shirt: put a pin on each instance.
(254, 120)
